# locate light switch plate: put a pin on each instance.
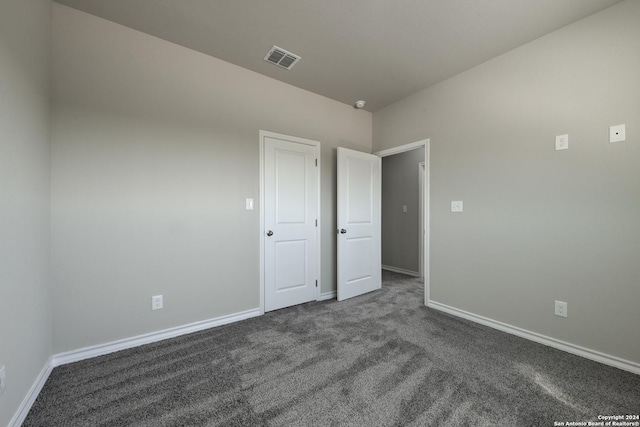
(562, 142)
(249, 204)
(456, 206)
(617, 133)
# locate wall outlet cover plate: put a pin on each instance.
(562, 142)
(561, 309)
(617, 133)
(456, 206)
(157, 302)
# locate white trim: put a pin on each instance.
(587, 353)
(102, 349)
(319, 226)
(402, 148)
(427, 222)
(426, 143)
(261, 189)
(401, 270)
(316, 144)
(327, 296)
(422, 173)
(32, 395)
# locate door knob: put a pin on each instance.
(342, 231)
(269, 233)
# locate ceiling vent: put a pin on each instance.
(282, 58)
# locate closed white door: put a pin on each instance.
(290, 221)
(359, 243)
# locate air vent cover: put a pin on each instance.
(282, 58)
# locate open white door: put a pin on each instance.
(359, 243)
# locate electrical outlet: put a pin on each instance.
(156, 302)
(456, 206)
(3, 379)
(561, 309)
(562, 142)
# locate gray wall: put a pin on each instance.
(25, 291)
(538, 225)
(401, 230)
(154, 149)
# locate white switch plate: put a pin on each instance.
(561, 309)
(562, 142)
(3, 379)
(617, 133)
(249, 205)
(456, 206)
(156, 302)
(404, 208)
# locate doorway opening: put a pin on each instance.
(405, 210)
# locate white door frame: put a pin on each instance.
(422, 173)
(264, 134)
(426, 143)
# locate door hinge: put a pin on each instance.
(316, 222)
(316, 162)
(316, 283)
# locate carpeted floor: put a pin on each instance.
(382, 359)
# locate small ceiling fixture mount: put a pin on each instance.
(359, 104)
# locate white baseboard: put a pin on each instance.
(102, 349)
(32, 395)
(401, 270)
(587, 353)
(327, 296)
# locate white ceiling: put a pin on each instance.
(377, 50)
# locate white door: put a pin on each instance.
(359, 243)
(290, 221)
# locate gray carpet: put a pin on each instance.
(382, 359)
